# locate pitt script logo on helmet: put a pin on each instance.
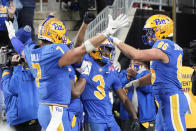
(53, 30)
(105, 52)
(157, 27)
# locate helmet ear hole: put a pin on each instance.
(59, 38)
(163, 32)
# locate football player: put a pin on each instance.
(95, 98)
(76, 105)
(48, 61)
(141, 97)
(166, 67)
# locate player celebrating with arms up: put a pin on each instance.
(166, 64)
(95, 98)
(48, 62)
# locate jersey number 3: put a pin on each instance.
(100, 94)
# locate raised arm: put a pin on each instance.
(80, 35)
(88, 17)
(141, 55)
(74, 55)
(16, 42)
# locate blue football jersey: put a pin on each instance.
(52, 81)
(167, 76)
(95, 97)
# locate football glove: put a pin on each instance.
(10, 29)
(117, 66)
(115, 40)
(88, 17)
(135, 125)
(114, 25)
(84, 69)
(134, 83)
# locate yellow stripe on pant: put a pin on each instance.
(73, 123)
(60, 127)
(174, 108)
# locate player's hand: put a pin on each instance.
(134, 83)
(10, 29)
(52, 14)
(131, 73)
(135, 125)
(15, 58)
(115, 40)
(84, 69)
(117, 66)
(114, 25)
(88, 17)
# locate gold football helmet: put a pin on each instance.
(105, 52)
(157, 27)
(53, 30)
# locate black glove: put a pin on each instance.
(88, 17)
(135, 125)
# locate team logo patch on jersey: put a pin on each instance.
(34, 57)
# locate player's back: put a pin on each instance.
(95, 97)
(52, 81)
(167, 75)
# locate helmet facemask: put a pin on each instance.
(104, 53)
(149, 38)
(157, 27)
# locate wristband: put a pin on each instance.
(116, 40)
(105, 33)
(89, 47)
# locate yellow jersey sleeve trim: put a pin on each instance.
(5, 73)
